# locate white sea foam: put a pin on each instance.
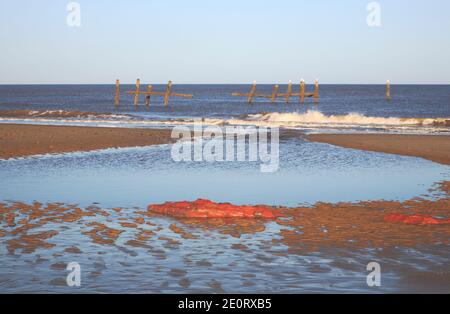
(317, 117)
(310, 120)
(316, 120)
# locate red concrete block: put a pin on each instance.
(415, 219)
(208, 209)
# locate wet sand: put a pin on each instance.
(434, 148)
(17, 140)
(50, 234)
(353, 225)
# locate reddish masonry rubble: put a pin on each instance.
(208, 209)
(416, 220)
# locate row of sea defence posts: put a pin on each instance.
(302, 94)
(148, 93)
(168, 92)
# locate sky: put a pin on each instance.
(224, 41)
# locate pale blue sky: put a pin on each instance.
(224, 41)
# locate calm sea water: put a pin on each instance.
(135, 177)
(341, 108)
(215, 100)
(422, 101)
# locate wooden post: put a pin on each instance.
(388, 90)
(136, 96)
(167, 94)
(289, 92)
(316, 91)
(149, 90)
(302, 91)
(252, 93)
(275, 93)
(117, 98)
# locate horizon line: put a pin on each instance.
(247, 83)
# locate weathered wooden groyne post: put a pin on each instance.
(138, 88)
(288, 92)
(149, 94)
(302, 91)
(316, 92)
(275, 93)
(252, 93)
(117, 97)
(167, 94)
(388, 90)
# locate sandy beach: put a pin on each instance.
(17, 140)
(434, 148)
(137, 220)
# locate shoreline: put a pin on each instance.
(22, 140)
(435, 148)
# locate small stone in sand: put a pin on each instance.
(177, 272)
(73, 250)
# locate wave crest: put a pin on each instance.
(317, 117)
(58, 114)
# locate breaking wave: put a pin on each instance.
(317, 121)
(310, 120)
(58, 114)
(317, 117)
